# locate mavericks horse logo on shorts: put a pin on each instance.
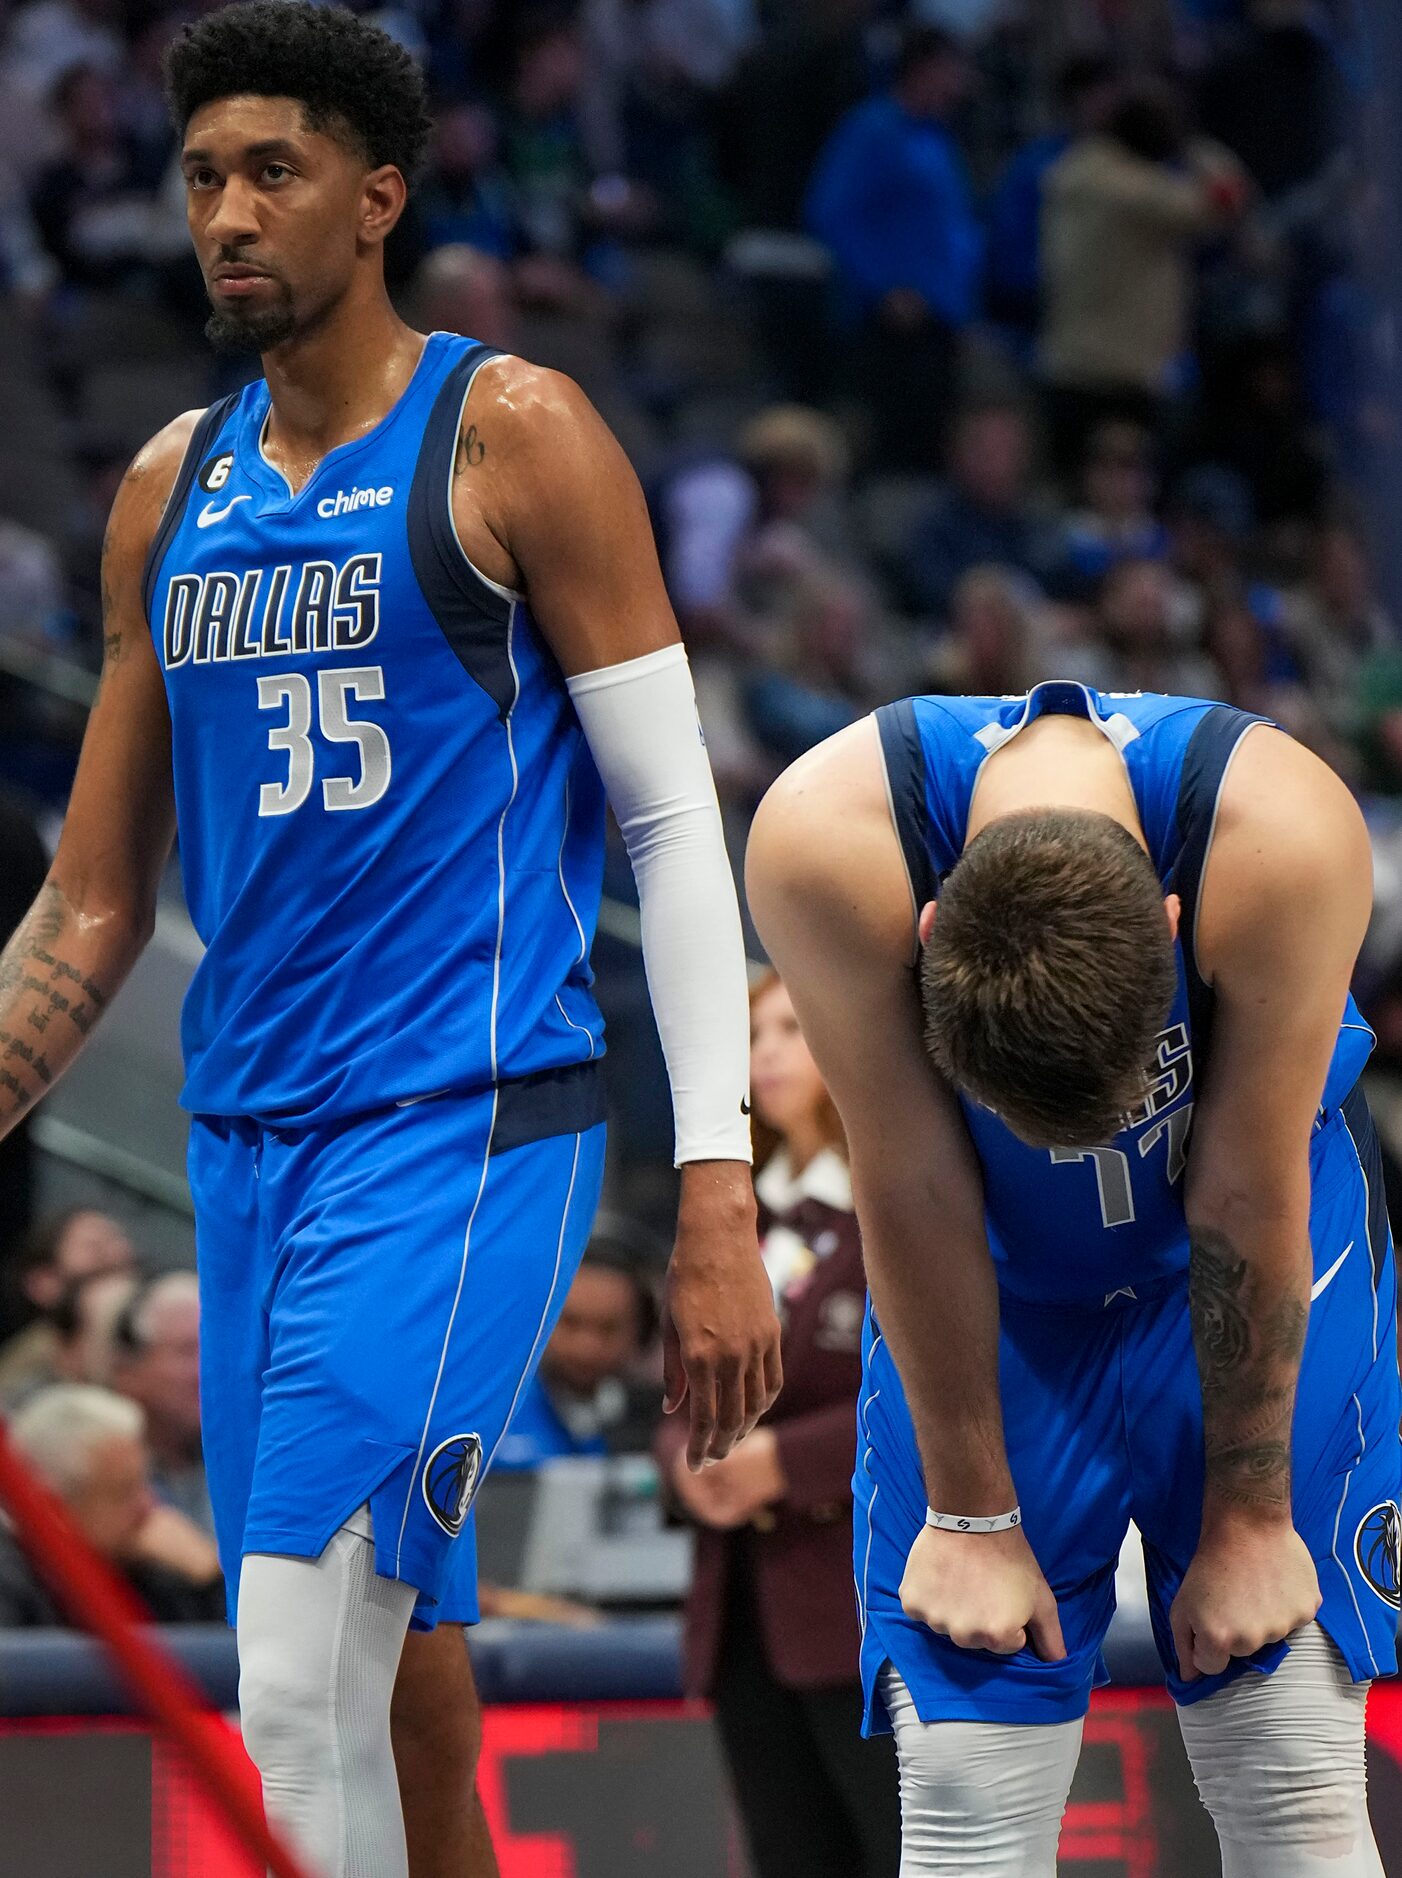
(1376, 1547)
(450, 1479)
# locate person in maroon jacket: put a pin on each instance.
(771, 1623)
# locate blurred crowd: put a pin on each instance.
(956, 342)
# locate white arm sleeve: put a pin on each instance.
(641, 723)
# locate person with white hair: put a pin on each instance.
(156, 1363)
(88, 1446)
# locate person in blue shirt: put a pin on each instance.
(1085, 87)
(892, 201)
(584, 1400)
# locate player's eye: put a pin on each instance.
(275, 172)
(201, 178)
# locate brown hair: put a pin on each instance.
(1049, 973)
(766, 1140)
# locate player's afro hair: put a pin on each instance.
(350, 78)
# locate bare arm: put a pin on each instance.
(1284, 910)
(95, 910)
(829, 893)
(546, 503)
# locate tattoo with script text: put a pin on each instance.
(47, 1005)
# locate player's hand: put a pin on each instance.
(984, 1591)
(720, 1336)
(1250, 1584)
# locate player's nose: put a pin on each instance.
(234, 219)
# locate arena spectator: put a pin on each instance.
(156, 1362)
(998, 642)
(1277, 98)
(87, 1446)
(1145, 636)
(94, 204)
(467, 196)
(892, 201)
(1124, 213)
(465, 289)
(1084, 92)
(1341, 635)
(771, 1628)
(84, 1322)
(1116, 519)
(60, 1251)
(984, 514)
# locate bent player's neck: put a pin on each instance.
(336, 382)
(1056, 762)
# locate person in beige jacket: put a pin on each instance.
(1124, 213)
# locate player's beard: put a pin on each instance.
(235, 329)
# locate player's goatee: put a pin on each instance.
(253, 332)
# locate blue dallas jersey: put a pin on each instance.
(390, 824)
(1067, 1224)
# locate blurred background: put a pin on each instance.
(957, 344)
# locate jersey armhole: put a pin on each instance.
(473, 611)
(206, 430)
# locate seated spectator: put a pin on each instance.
(1116, 520)
(467, 290)
(585, 1398)
(996, 643)
(984, 515)
(799, 463)
(1144, 629)
(84, 1324)
(892, 201)
(156, 1362)
(771, 1625)
(94, 204)
(1341, 634)
(77, 1244)
(467, 195)
(87, 1447)
(1124, 213)
(823, 655)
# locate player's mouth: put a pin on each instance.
(236, 280)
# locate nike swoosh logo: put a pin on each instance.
(209, 515)
(1323, 1284)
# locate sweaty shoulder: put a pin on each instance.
(146, 487)
(1290, 846)
(823, 846)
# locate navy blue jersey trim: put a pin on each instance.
(905, 773)
(475, 618)
(1209, 751)
(551, 1102)
(204, 433)
(1358, 1119)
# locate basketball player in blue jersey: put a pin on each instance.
(381, 631)
(1077, 969)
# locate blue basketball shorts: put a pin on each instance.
(375, 1296)
(1102, 1409)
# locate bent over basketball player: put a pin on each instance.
(377, 627)
(1077, 970)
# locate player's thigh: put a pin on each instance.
(234, 1273)
(1060, 1386)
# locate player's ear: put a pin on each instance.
(1173, 906)
(382, 200)
(927, 921)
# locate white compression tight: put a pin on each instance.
(1278, 1760)
(319, 1647)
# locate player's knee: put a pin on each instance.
(436, 1708)
(1289, 1801)
(283, 1708)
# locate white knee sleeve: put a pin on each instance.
(1279, 1763)
(319, 1647)
(979, 1797)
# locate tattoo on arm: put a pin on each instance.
(470, 451)
(1248, 1345)
(41, 991)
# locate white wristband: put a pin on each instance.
(957, 1522)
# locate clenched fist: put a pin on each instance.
(984, 1591)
